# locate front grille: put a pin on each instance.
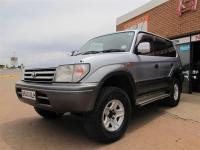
(39, 75)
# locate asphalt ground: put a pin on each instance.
(153, 127)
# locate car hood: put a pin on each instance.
(101, 59)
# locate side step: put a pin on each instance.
(153, 99)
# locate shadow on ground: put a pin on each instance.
(65, 133)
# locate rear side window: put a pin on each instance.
(164, 48)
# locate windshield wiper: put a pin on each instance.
(90, 52)
(113, 50)
(104, 51)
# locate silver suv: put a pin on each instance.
(105, 80)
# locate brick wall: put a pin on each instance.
(165, 21)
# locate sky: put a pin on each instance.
(44, 30)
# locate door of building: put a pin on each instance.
(195, 67)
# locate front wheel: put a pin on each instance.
(108, 122)
(175, 92)
(48, 114)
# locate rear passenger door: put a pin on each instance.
(164, 50)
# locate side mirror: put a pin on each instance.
(71, 53)
(143, 48)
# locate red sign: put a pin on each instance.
(186, 5)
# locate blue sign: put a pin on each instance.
(184, 47)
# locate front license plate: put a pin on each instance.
(29, 94)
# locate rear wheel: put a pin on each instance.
(108, 122)
(175, 92)
(48, 114)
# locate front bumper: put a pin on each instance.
(60, 97)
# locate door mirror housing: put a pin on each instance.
(143, 48)
(72, 53)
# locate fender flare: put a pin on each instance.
(119, 73)
(175, 72)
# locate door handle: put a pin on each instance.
(156, 66)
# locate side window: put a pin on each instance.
(144, 44)
(164, 48)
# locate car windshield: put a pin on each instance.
(117, 42)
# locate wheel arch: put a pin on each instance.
(177, 74)
(120, 79)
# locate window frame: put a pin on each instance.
(139, 40)
(171, 46)
(153, 44)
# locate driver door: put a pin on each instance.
(147, 65)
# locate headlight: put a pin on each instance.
(71, 73)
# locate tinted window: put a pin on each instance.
(164, 48)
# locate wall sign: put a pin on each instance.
(182, 40)
(196, 38)
(186, 6)
(138, 24)
(184, 47)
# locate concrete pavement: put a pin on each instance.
(153, 127)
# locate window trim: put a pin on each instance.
(137, 43)
(154, 35)
(165, 40)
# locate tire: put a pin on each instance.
(175, 92)
(97, 123)
(48, 114)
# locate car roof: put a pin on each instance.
(136, 32)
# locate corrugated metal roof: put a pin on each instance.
(150, 5)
